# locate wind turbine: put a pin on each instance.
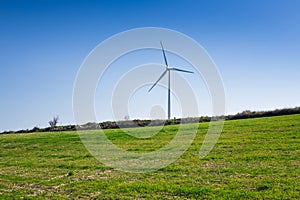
(168, 69)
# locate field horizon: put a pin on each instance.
(157, 122)
(255, 158)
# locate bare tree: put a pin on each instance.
(54, 121)
(126, 117)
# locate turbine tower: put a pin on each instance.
(168, 69)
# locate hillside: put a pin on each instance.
(253, 159)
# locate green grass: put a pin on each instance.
(253, 159)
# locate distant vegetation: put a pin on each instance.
(53, 122)
(253, 114)
(141, 123)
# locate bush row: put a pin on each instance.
(141, 123)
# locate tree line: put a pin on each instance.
(142, 123)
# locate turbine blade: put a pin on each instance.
(181, 70)
(158, 80)
(165, 58)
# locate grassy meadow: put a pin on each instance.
(253, 159)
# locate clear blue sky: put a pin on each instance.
(254, 43)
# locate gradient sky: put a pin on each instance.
(254, 43)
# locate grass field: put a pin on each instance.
(253, 159)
